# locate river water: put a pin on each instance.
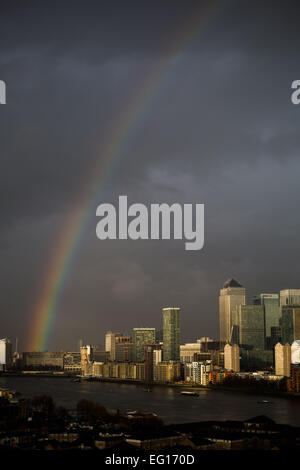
(165, 401)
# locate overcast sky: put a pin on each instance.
(218, 128)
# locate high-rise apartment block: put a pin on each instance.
(171, 334)
(232, 295)
(232, 357)
(141, 337)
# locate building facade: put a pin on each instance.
(289, 297)
(270, 302)
(290, 323)
(283, 360)
(232, 295)
(141, 337)
(232, 357)
(6, 355)
(251, 326)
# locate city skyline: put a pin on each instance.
(238, 309)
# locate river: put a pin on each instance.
(165, 401)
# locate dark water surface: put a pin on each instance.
(166, 402)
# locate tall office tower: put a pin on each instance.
(251, 326)
(232, 357)
(141, 337)
(171, 334)
(290, 323)
(283, 360)
(232, 294)
(272, 314)
(289, 297)
(5, 354)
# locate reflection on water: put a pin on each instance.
(168, 403)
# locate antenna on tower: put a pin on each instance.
(80, 344)
(17, 341)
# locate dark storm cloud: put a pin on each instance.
(219, 129)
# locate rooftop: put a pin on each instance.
(231, 283)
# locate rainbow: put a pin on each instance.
(74, 229)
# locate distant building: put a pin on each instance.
(100, 355)
(6, 355)
(141, 337)
(295, 352)
(110, 342)
(36, 360)
(153, 355)
(253, 359)
(113, 345)
(283, 360)
(86, 359)
(159, 336)
(293, 382)
(119, 370)
(290, 323)
(188, 351)
(270, 302)
(197, 372)
(124, 351)
(250, 321)
(72, 362)
(232, 357)
(168, 372)
(232, 294)
(289, 297)
(171, 334)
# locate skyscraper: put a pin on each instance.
(290, 323)
(272, 313)
(152, 357)
(141, 337)
(171, 334)
(232, 294)
(251, 326)
(283, 360)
